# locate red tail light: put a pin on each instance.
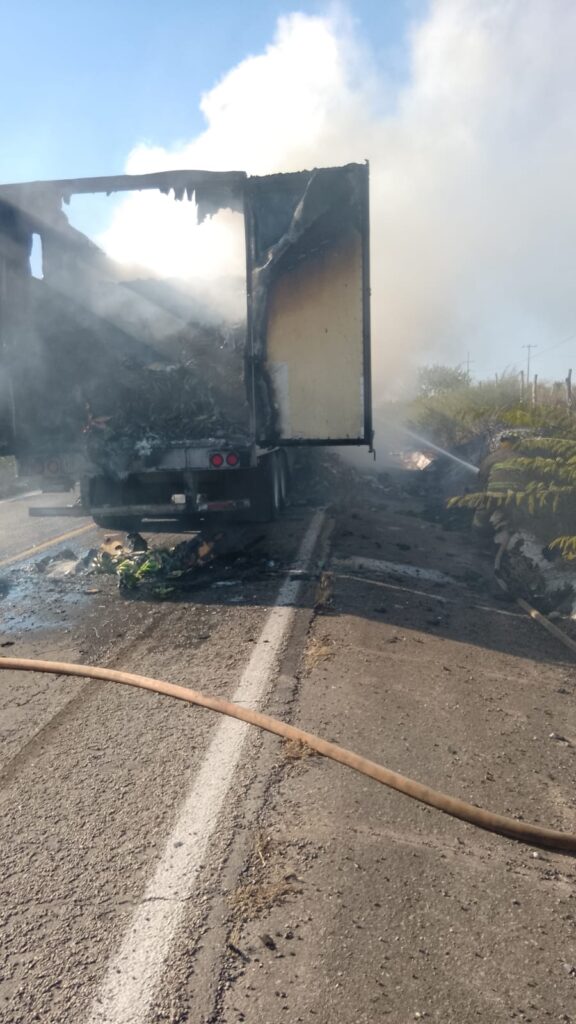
(232, 459)
(217, 460)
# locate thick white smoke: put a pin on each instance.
(473, 160)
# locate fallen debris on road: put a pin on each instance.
(160, 570)
(65, 563)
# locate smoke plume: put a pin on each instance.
(473, 159)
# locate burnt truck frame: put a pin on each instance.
(306, 365)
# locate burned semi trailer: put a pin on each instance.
(161, 407)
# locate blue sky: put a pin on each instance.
(82, 83)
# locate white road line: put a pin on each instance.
(134, 972)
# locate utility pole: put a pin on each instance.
(529, 347)
(468, 365)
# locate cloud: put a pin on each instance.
(473, 159)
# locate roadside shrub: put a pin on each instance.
(535, 484)
(452, 418)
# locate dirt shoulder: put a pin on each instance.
(359, 904)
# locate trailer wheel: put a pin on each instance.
(103, 491)
(119, 524)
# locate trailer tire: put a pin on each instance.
(118, 524)
(102, 491)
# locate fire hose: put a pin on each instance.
(513, 829)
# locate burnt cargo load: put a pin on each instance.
(143, 390)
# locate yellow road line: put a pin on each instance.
(45, 544)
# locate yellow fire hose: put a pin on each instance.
(519, 830)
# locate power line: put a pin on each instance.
(556, 344)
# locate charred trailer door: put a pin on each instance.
(309, 306)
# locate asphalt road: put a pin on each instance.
(23, 534)
(161, 864)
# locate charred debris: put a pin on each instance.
(207, 560)
(114, 370)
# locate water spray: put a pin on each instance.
(430, 444)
